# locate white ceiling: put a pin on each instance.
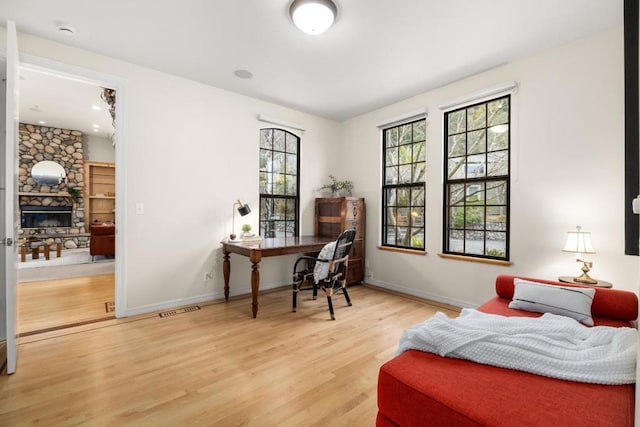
(378, 52)
(63, 103)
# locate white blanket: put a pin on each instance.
(551, 345)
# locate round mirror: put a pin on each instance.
(47, 172)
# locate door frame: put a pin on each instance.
(10, 199)
(59, 69)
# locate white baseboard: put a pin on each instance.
(144, 309)
(236, 292)
(422, 294)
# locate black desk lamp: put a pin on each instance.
(243, 210)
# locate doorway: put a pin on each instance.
(71, 287)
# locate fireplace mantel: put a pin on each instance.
(33, 194)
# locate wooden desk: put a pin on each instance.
(268, 247)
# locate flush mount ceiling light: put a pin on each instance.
(313, 16)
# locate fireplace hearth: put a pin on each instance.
(46, 216)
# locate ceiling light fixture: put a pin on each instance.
(313, 16)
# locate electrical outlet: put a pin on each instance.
(207, 276)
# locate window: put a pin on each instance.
(279, 183)
(403, 151)
(476, 181)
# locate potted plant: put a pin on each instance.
(74, 193)
(338, 188)
(246, 230)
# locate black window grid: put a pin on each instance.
(467, 182)
(403, 213)
(279, 202)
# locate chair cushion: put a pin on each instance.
(321, 269)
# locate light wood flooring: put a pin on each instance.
(51, 304)
(216, 366)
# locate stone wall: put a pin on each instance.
(65, 147)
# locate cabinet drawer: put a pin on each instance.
(354, 209)
(356, 225)
(356, 250)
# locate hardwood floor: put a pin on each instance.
(215, 366)
(50, 304)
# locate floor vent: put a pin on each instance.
(110, 306)
(179, 311)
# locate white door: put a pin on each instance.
(9, 198)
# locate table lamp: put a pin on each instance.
(580, 242)
(243, 210)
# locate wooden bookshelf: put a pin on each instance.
(100, 192)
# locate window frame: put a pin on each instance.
(468, 182)
(262, 222)
(412, 186)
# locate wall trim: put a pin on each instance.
(208, 297)
(403, 118)
(422, 294)
(479, 95)
(279, 122)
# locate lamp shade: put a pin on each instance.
(313, 16)
(579, 242)
(243, 209)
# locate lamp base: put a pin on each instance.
(585, 278)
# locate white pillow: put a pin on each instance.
(321, 269)
(542, 298)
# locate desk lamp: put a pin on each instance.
(243, 210)
(580, 242)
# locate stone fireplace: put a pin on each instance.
(53, 212)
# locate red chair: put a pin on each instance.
(102, 240)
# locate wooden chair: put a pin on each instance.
(327, 271)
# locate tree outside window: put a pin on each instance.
(403, 191)
(279, 183)
(476, 180)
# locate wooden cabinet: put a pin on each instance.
(99, 192)
(336, 214)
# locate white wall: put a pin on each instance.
(99, 149)
(567, 170)
(191, 150)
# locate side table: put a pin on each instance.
(35, 250)
(600, 284)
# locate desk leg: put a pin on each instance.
(23, 252)
(255, 286)
(226, 271)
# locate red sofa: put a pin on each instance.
(424, 389)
